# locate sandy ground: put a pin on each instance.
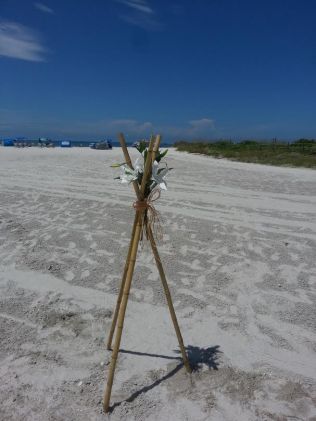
(239, 253)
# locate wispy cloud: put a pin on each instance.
(149, 24)
(20, 42)
(43, 8)
(109, 127)
(26, 123)
(133, 126)
(192, 129)
(139, 5)
(142, 14)
(201, 126)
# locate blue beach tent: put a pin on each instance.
(8, 142)
(65, 144)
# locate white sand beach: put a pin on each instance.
(239, 251)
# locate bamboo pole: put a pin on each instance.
(169, 299)
(121, 315)
(127, 284)
(119, 298)
(152, 150)
(138, 194)
(129, 161)
(129, 267)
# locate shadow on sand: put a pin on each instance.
(197, 357)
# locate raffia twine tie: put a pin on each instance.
(150, 216)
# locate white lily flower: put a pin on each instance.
(128, 175)
(139, 165)
(158, 176)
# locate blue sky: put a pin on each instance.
(188, 69)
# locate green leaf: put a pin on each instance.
(164, 153)
(139, 178)
(160, 155)
(141, 146)
(117, 165)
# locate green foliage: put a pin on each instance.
(141, 146)
(161, 155)
(302, 141)
(301, 153)
(223, 143)
(249, 142)
(117, 165)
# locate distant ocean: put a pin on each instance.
(76, 143)
(115, 143)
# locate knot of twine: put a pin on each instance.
(150, 217)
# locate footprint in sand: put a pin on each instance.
(85, 274)
(69, 276)
(196, 264)
(184, 250)
(88, 237)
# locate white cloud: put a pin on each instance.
(19, 41)
(139, 5)
(106, 127)
(132, 126)
(201, 126)
(142, 21)
(25, 123)
(141, 15)
(43, 8)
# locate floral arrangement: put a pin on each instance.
(157, 181)
(148, 176)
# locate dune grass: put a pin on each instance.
(301, 153)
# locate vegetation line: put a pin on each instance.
(301, 153)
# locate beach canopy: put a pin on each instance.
(65, 144)
(8, 142)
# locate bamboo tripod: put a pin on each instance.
(121, 304)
